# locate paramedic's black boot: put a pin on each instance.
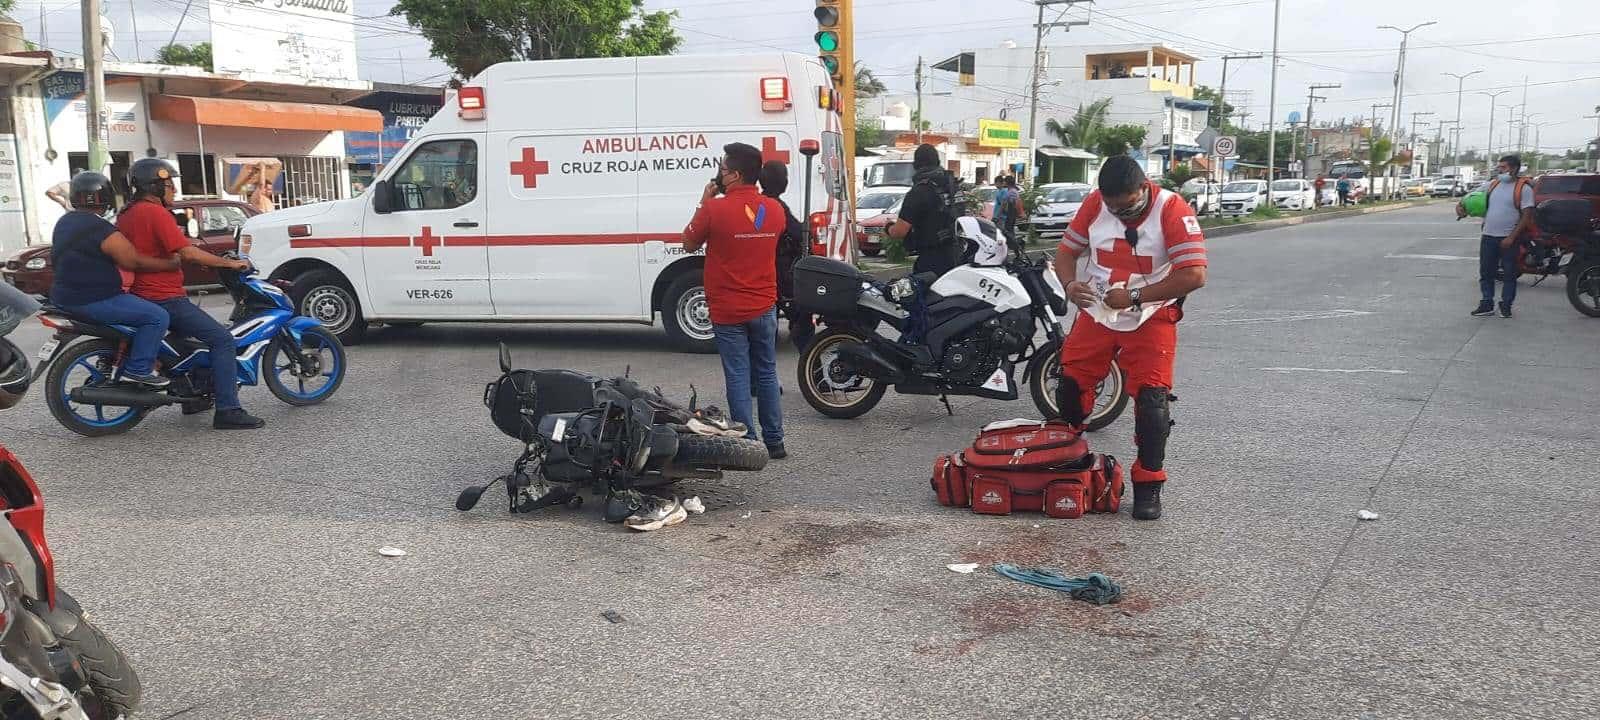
(1147, 500)
(622, 503)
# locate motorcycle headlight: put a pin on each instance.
(37, 263)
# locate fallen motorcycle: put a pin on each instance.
(54, 663)
(1575, 220)
(606, 434)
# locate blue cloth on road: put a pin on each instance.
(1097, 588)
(148, 320)
(750, 359)
(189, 320)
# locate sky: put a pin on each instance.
(1550, 43)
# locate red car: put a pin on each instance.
(30, 271)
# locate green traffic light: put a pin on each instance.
(828, 41)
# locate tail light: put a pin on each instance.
(54, 323)
(819, 222)
(472, 103)
(775, 94)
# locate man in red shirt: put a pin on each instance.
(1146, 254)
(739, 230)
(148, 224)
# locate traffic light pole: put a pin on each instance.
(847, 90)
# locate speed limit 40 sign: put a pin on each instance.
(1224, 146)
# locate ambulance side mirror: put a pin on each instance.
(382, 198)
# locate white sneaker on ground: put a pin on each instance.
(657, 513)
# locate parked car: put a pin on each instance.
(1293, 194)
(876, 200)
(1202, 194)
(1416, 187)
(1447, 187)
(30, 270)
(1057, 206)
(870, 233)
(1241, 197)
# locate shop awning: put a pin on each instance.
(1061, 152)
(264, 114)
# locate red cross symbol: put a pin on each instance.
(427, 241)
(1123, 262)
(770, 151)
(529, 168)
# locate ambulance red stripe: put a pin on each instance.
(490, 240)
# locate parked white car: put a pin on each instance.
(1057, 207)
(1241, 197)
(875, 201)
(1203, 194)
(1296, 194)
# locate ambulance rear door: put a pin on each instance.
(563, 235)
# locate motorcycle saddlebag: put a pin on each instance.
(826, 286)
(950, 481)
(1028, 445)
(1564, 216)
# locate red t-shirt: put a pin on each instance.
(149, 225)
(741, 231)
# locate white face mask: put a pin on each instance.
(1505, 177)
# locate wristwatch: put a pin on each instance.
(1133, 297)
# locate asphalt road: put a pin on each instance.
(1327, 368)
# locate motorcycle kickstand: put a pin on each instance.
(947, 409)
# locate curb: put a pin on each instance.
(1249, 227)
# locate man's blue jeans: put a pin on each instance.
(1490, 258)
(750, 358)
(190, 321)
(148, 320)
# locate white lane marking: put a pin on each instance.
(1291, 317)
(1413, 256)
(1348, 371)
(1474, 237)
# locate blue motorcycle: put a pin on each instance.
(301, 362)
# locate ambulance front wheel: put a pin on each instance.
(687, 316)
(325, 296)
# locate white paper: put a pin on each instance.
(963, 568)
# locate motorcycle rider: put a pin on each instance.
(925, 224)
(792, 245)
(87, 253)
(148, 223)
(1146, 254)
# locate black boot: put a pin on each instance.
(1147, 500)
(622, 503)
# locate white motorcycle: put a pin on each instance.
(962, 333)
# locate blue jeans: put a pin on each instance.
(190, 321)
(750, 357)
(148, 320)
(1490, 258)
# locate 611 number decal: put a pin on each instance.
(992, 289)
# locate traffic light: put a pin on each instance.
(828, 41)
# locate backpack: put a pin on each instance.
(793, 244)
(1516, 192)
(951, 206)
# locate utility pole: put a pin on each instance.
(1596, 141)
(1375, 107)
(1400, 76)
(1272, 104)
(1222, 94)
(1489, 150)
(133, 16)
(1511, 137)
(94, 82)
(1455, 147)
(1412, 146)
(917, 118)
(1522, 126)
(1039, 29)
(1311, 101)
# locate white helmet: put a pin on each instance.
(982, 241)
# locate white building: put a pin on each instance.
(1150, 85)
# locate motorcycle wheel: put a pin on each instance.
(826, 388)
(322, 358)
(1111, 397)
(727, 453)
(101, 420)
(1583, 289)
(107, 670)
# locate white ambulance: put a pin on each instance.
(558, 191)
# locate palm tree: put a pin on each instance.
(1085, 125)
(867, 84)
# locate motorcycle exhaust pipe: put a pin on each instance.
(121, 397)
(864, 359)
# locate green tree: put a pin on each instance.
(1119, 139)
(1220, 110)
(867, 84)
(916, 120)
(1253, 146)
(197, 55)
(1180, 174)
(6, 5)
(1378, 157)
(470, 35)
(1084, 127)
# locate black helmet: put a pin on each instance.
(150, 176)
(92, 191)
(15, 375)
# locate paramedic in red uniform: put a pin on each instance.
(739, 228)
(1146, 252)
